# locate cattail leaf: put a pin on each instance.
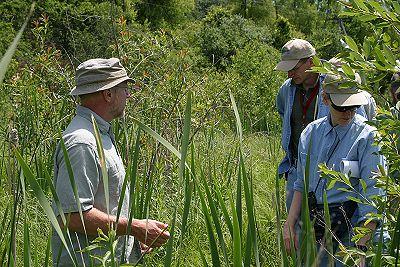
(238, 123)
(250, 211)
(48, 251)
(72, 181)
(328, 234)
(6, 59)
(215, 217)
(39, 194)
(237, 240)
(211, 238)
(27, 245)
(103, 165)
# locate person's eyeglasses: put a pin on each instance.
(299, 64)
(344, 109)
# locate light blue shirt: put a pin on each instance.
(81, 146)
(355, 143)
(284, 105)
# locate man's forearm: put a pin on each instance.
(95, 219)
(147, 231)
(295, 207)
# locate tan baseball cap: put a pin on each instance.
(292, 52)
(99, 74)
(344, 97)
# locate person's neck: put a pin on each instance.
(99, 110)
(311, 82)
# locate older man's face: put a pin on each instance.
(298, 73)
(120, 95)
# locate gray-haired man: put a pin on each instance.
(102, 86)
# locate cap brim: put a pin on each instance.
(345, 100)
(96, 87)
(286, 65)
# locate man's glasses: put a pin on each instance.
(344, 109)
(299, 64)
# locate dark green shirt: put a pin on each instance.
(296, 119)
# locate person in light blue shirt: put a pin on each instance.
(299, 102)
(102, 87)
(342, 136)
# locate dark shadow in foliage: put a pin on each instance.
(223, 33)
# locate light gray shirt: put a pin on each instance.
(81, 146)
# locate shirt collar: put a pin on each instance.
(104, 126)
(340, 130)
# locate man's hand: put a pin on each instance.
(144, 249)
(362, 262)
(289, 233)
(150, 232)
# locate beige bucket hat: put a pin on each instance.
(98, 74)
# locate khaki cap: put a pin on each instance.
(292, 52)
(344, 97)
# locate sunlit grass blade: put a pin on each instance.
(4, 224)
(103, 164)
(58, 205)
(237, 239)
(168, 256)
(203, 258)
(132, 170)
(104, 176)
(250, 212)
(328, 234)
(238, 123)
(225, 212)
(211, 238)
(395, 245)
(189, 185)
(308, 252)
(214, 216)
(378, 257)
(48, 252)
(38, 193)
(72, 181)
(159, 138)
(239, 198)
(186, 133)
(184, 149)
(279, 232)
(11, 49)
(27, 245)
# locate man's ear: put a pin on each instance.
(107, 94)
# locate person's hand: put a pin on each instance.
(150, 232)
(289, 233)
(362, 261)
(145, 249)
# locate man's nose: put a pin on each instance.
(127, 92)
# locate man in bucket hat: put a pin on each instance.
(340, 139)
(299, 102)
(102, 86)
